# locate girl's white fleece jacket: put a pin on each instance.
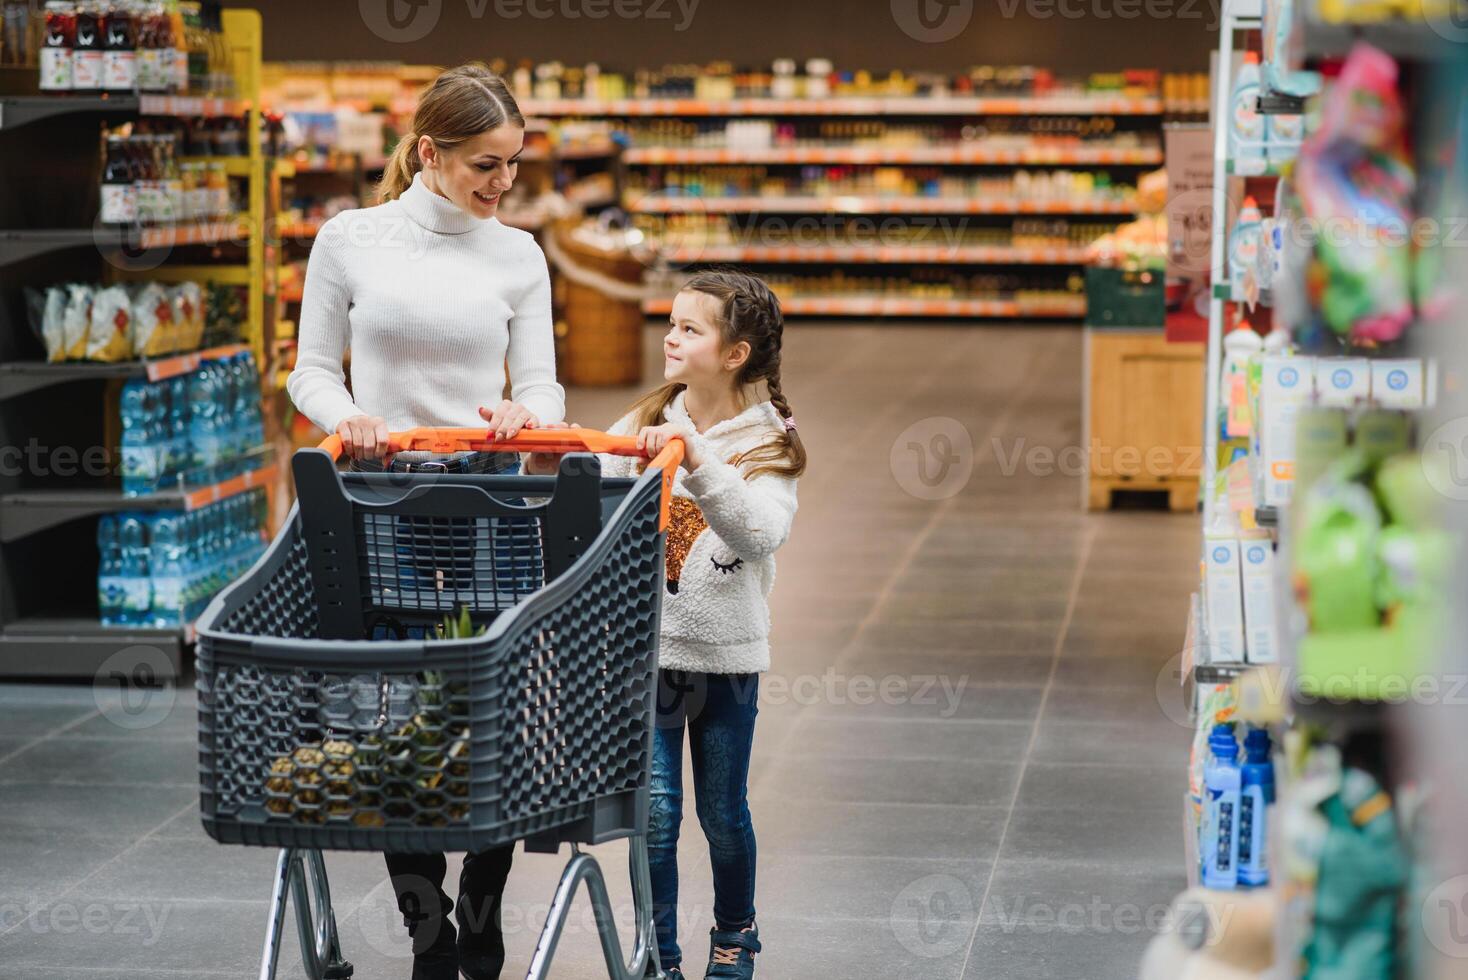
(718, 619)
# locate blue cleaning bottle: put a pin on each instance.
(1219, 845)
(1256, 797)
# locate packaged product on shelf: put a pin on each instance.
(153, 333)
(1362, 874)
(53, 323)
(76, 322)
(1256, 809)
(1246, 127)
(1382, 433)
(57, 45)
(109, 337)
(1335, 556)
(1260, 637)
(1224, 598)
(1342, 381)
(1281, 41)
(1219, 843)
(1397, 383)
(86, 57)
(1243, 246)
(1285, 384)
(119, 54)
(187, 302)
(1321, 437)
(1353, 174)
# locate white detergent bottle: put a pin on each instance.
(1243, 245)
(1246, 127)
(1238, 345)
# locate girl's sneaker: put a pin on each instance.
(731, 954)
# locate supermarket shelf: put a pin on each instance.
(233, 166)
(301, 229)
(655, 204)
(908, 106)
(292, 295)
(1219, 673)
(19, 110)
(956, 254)
(1415, 39)
(899, 306)
(961, 154)
(78, 646)
(25, 512)
(1225, 291)
(589, 150)
(1257, 168)
(20, 244)
(17, 378)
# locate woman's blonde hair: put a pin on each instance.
(460, 104)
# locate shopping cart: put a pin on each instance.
(314, 736)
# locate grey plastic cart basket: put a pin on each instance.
(315, 735)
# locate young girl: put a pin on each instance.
(733, 504)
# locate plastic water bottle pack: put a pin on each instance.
(198, 428)
(161, 568)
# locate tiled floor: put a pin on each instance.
(965, 767)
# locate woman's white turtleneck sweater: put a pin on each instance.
(433, 303)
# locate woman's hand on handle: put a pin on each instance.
(508, 418)
(364, 436)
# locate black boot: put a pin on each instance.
(481, 936)
(417, 880)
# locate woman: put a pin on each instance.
(435, 298)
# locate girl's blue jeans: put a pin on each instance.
(717, 713)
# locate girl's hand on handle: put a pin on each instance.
(508, 418)
(364, 436)
(651, 440)
(547, 464)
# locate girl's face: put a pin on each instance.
(474, 174)
(693, 351)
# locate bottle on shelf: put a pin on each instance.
(1243, 244)
(119, 49)
(57, 47)
(119, 190)
(1219, 845)
(180, 54)
(109, 572)
(86, 58)
(1256, 801)
(1246, 127)
(137, 590)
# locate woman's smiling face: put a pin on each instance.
(476, 173)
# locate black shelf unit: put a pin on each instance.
(50, 155)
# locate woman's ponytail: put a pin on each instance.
(460, 104)
(397, 176)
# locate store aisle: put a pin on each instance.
(963, 766)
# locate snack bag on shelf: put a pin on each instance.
(153, 334)
(1353, 174)
(53, 319)
(187, 299)
(109, 337)
(76, 321)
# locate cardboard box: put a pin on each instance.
(1286, 384)
(1257, 569)
(1342, 381)
(1224, 600)
(1397, 383)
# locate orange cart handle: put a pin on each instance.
(447, 440)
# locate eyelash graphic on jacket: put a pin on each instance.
(726, 569)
